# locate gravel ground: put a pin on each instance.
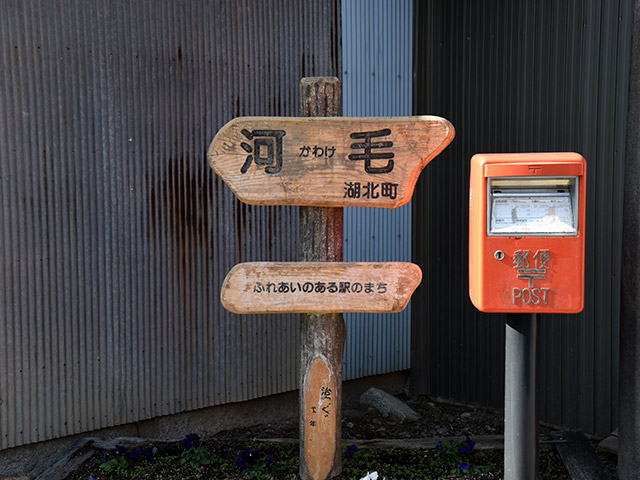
(437, 419)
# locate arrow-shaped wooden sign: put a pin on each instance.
(331, 161)
(319, 287)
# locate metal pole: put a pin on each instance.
(322, 337)
(520, 413)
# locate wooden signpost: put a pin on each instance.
(319, 287)
(322, 335)
(332, 162)
(322, 165)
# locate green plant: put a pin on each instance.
(195, 455)
(126, 462)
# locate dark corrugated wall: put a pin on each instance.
(514, 77)
(115, 234)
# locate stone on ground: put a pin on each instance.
(388, 405)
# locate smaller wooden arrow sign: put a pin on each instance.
(320, 416)
(331, 161)
(319, 287)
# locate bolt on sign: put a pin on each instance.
(319, 287)
(330, 161)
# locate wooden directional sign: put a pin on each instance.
(319, 287)
(331, 161)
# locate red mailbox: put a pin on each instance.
(526, 232)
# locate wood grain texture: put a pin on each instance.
(321, 234)
(319, 287)
(327, 161)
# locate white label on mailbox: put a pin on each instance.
(532, 214)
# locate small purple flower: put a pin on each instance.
(136, 453)
(247, 458)
(351, 450)
(438, 446)
(191, 440)
(467, 447)
(465, 466)
(464, 449)
(106, 457)
(119, 450)
(471, 443)
(268, 461)
(253, 456)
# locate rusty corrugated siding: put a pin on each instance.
(115, 235)
(512, 77)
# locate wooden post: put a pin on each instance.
(322, 336)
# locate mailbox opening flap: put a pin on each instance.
(539, 206)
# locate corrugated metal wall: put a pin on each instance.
(377, 64)
(115, 235)
(521, 76)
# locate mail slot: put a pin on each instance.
(526, 232)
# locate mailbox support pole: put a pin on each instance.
(322, 336)
(520, 413)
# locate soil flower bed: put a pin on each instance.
(272, 452)
(235, 459)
